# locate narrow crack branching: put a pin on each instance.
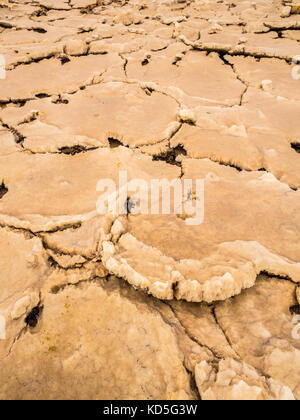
(192, 337)
(224, 332)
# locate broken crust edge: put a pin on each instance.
(236, 380)
(250, 259)
(38, 223)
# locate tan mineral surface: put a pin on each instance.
(139, 301)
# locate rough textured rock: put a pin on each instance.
(237, 381)
(262, 334)
(139, 366)
(129, 304)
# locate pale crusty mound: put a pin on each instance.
(136, 306)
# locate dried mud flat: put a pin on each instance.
(142, 306)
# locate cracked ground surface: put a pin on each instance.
(137, 306)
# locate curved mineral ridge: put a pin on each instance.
(158, 308)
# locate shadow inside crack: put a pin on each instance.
(3, 190)
(32, 318)
(296, 147)
(170, 156)
(73, 150)
(114, 143)
(295, 310)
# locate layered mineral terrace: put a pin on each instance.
(146, 306)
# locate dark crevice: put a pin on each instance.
(296, 147)
(174, 288)
(227, 63)
(42, 11)
(3, 190)
(148, 90)
(125, 65)
(52, 263)
(90, 8)
(74, 150)
(295, 310)
(231, 165)
(42, 95)
(277, 276)
(39, 30)
(18, 102)
(114, 143)
(32, 318)
(19, 138)
(60, 101)
(129, 205)
(193, 383)
(171, 155)
(64, 59)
